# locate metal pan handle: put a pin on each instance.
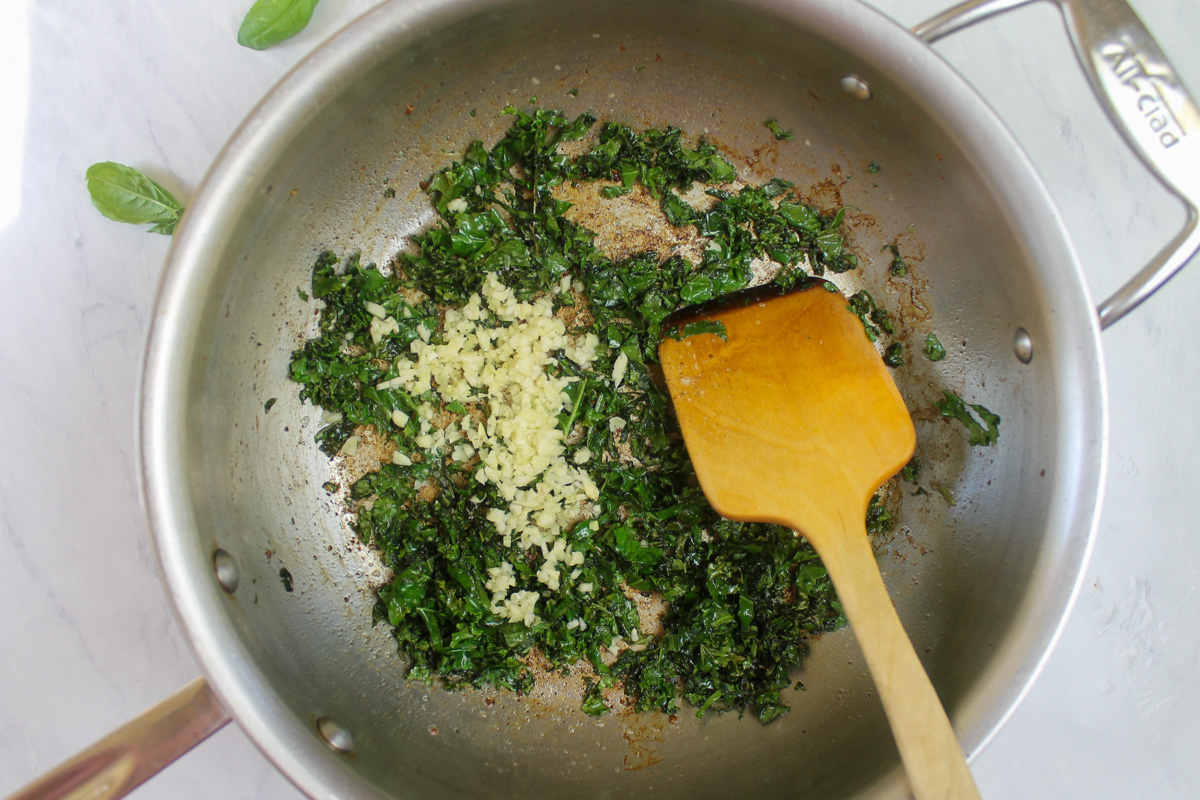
(1144, 98)
(129, 756)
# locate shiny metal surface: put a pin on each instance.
(1146, 101)
(981, 586)
(129, 756)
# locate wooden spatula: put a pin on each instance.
(795, 420)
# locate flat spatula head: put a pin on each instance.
(793, 417)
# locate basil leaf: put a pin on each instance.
(125, 194)
(269, 22)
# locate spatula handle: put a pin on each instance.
(929, 749)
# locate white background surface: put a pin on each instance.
(87, 639)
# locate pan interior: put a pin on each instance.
(981, 585)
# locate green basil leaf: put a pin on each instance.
(125, 194)
(269, 22)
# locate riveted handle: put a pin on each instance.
(1145, 99)
(129, 756)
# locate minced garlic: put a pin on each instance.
(496, 349)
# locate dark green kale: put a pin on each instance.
(286, 577)
(593, 701)
(879, 519)
(875, 319)
(933, 348)
(742, 608)
(658, 160)
(897, 267)
(911, 470)
(952, 406)
(893, 356)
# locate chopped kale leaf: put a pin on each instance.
(779, 133)
(897, 267)
(946, 494)
(952, 406)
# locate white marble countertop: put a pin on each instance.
(87, 638)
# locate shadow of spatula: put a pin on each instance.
(791, 417)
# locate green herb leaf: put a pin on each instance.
(593, 701)
(125, 194)
(873, 167)
(897, 267)
(875, 319)
(780, 133)
(952, 406)
(269, 22)
(893, 356)
(879, 519)
(933, 348)
(946, 494)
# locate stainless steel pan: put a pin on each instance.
(982, 587)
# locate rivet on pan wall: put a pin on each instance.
(226, 569)
(1023, 345)
(856, 87)
(335, 735)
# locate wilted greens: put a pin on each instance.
(777, 131)
(953, 407)
(741, 599)
(934, 351)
